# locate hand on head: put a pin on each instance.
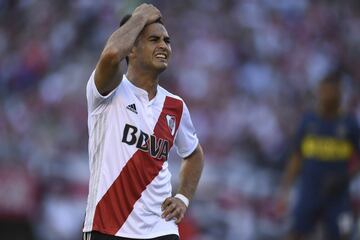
(151, 13)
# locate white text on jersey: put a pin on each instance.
(157, 147)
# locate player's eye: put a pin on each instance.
(153, 39)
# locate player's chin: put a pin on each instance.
(160, 66)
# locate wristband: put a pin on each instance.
(184, 199)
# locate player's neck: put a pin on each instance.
(146, 80)
(329, 113)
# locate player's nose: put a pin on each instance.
(164, 45)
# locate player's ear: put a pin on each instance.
(132, 53)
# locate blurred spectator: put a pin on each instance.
(18, 203)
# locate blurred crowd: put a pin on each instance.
(247, 70)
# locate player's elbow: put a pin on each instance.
(110, 57)
(197, 156)
(200, 153)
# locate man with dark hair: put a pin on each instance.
(133, 123)
(325, 142)
(125, 19)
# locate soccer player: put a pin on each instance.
(133, 123)
(325, 142)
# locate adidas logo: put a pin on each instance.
(132, 107)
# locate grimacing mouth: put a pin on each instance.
(161, 55)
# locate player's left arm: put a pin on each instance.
(191, 169)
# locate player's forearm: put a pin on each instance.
(116, 49)
(291, 172)
(190, 173)
(123, 39)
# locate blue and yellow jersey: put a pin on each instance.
(326, 146)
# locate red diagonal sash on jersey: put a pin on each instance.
(116, 205)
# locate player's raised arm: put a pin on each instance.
(119, 45)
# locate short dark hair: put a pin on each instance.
(126, 18)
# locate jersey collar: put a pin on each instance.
(139, 92)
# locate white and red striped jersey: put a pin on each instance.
(129, 141)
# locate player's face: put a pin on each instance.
(330, 95)
(152, 50)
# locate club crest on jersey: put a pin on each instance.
(157, 147)
(171, 122)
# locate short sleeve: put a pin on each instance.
(186, 140)
(96, 101)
